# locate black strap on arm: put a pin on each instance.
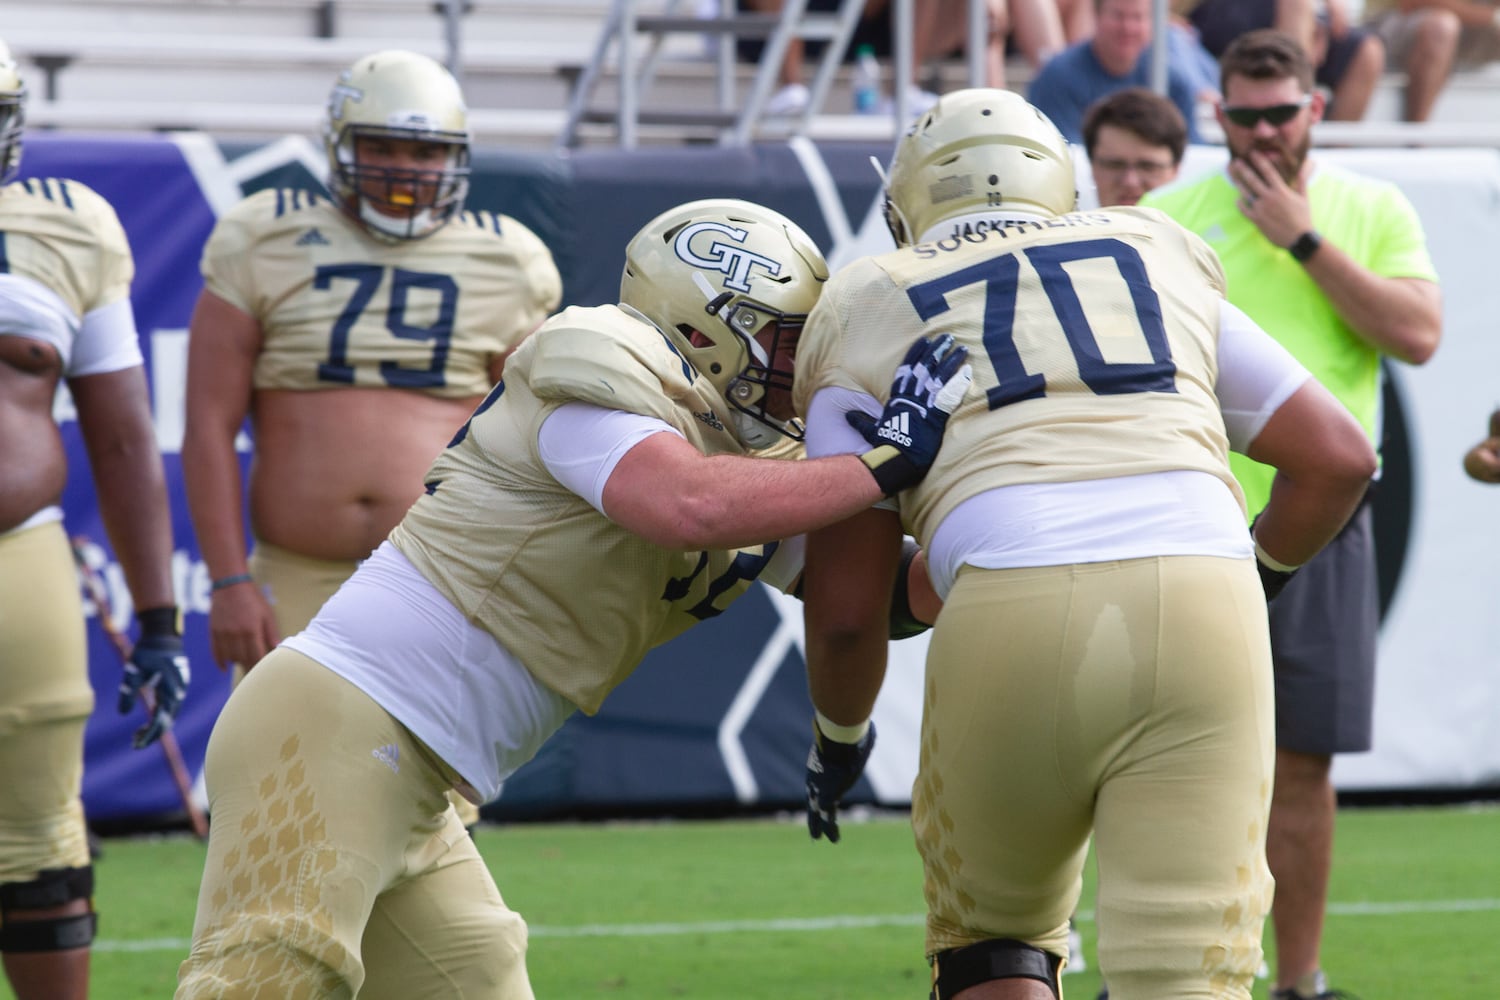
(904, 624)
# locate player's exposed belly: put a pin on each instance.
(334, 470)
(33, 464)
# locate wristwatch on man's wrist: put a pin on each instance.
(1304, 246)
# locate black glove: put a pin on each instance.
(832, 769)
(929, 385)
(159, 666)
(1272, 580)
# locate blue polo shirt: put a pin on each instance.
(1073, 79)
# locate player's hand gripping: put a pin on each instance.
(157, 673)
(832, 769)
(928, 387)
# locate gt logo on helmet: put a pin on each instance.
(735, 262)
(342, 92)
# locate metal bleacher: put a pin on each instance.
(538, 74)
(262, 68)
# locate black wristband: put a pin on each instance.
(159, 621)
(892, 470)
(1273, 581)
(1304, 246)
(904, 624)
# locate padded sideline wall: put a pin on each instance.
(719, 717)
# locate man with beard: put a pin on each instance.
(1336, 267)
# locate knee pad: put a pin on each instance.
(958, 969)
(50, 889)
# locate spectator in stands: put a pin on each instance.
(1118, 56)
(357, 333)
(1348, 59)
(1427, 39)
(1336, 267)
(607, 496)
(1135, 139)
(1036, 28)
(1482, 462)
(65, 317)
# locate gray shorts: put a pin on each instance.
(1323, 632)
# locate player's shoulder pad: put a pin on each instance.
(1169, 231)
(603, 355)
(70, 196)
(270, 204)
(498, 223)
(512, 240)
(74, 203)
(852, 278)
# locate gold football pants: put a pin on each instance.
(45, 700)
(1131, 700)
(335, 864)
(298, 586)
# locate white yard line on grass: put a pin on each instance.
(836, 923)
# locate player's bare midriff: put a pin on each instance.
(33, 464)
(334, 470)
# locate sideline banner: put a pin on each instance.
(719, 717)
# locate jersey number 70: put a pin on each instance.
(1000, 276)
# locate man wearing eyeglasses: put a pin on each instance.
(1135, 139)
(1336, 267)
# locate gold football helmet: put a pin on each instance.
(977, 151)
(12, 114)
(401, 96)
(713, 275)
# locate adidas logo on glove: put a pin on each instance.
(896, 430)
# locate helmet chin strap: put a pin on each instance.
(752, 433)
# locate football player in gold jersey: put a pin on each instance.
(357, 333)
(65, 315)
(630, 477)
(1101, 665)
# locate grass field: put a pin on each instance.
(752, 910)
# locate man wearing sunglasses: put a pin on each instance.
(1336, 267)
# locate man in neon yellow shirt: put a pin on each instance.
(1335, 266)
